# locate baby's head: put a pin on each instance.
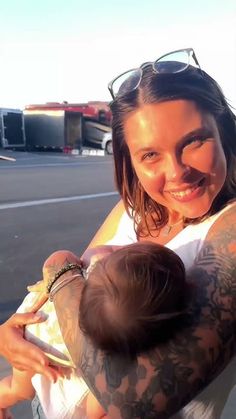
(133, 297)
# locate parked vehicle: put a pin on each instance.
(107, 143)
(53, 129)
(97, 135)
(66, 126)
(12, 129)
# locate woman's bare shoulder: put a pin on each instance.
(217, 257)
(109, 227)
(229, 212)
(223, 230)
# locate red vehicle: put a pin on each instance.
(66, 126)
(97, 111)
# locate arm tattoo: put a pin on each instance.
(68, 299)
(157, 384)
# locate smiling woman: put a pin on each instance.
(174, 145)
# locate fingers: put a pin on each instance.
(37, 361)
(39, 302)
(22, 319)
(51, 373)
(20, 353)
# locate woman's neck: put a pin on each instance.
(164, 235)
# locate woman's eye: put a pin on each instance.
(151, 155)
(194, 142)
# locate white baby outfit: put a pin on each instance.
(64, 399)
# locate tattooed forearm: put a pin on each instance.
(66, 301)
(160, 382)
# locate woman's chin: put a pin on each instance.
(195, 209)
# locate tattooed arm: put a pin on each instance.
(158, 384)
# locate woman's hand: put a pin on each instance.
(19, 353)
(51, 266)
(55, 262)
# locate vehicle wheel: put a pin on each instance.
(109, 148)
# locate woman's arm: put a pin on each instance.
(108, 229)
(158, 384)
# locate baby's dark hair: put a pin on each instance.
(133, 298)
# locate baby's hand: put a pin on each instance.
(92, 255)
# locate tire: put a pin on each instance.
(109, 149)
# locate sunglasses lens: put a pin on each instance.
(174, 62)
(127, 82)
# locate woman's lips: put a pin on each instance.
(190, 193)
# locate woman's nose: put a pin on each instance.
(176, 170)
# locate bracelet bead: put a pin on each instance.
(63, 270)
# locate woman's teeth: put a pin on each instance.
(186, 192)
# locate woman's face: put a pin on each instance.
(177, 155)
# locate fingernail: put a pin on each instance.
(40, 316)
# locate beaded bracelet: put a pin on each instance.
(63, 270)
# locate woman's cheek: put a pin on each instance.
(151, 180)
(203, 159)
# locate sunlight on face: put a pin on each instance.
(177, 155)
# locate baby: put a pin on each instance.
(132, 298)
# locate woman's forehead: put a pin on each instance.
(165, 119)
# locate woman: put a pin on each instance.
(174, 144)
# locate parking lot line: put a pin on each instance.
(55, 200)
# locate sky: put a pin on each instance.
(68, 50)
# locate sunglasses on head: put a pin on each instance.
(172, 63)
